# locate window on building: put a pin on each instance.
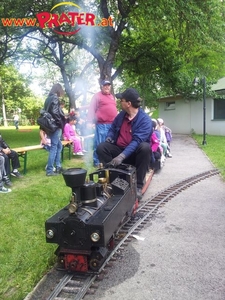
(170, 105)
(219, 109)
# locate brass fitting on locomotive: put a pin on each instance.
(73, 206)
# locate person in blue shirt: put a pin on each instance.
(129, 137)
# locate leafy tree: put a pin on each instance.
(158, 47)
(15, 94)
(176, 42)
(101, 42)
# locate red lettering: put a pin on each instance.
(110, 20)
(64, 19)
(30, 22)
(104, 22)
(6, 22)
(43, 18)
(18, 22)
(80, 19)
(53, 22)
(73, 16)
(90, 18)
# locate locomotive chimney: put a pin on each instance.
(83, 192)
(75, 178)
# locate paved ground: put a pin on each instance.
(182, 256)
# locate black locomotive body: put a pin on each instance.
(84, 230)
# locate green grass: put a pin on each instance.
(24, 255)
(214, 149)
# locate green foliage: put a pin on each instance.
(159, 47)
(13, 84)
(14, 88)
(169, 43)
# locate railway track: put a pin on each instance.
(76, 286)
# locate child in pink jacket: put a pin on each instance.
(155, 143)
(69, 134)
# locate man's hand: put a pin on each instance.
(109, 140)
(117, 160)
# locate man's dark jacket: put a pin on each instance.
(141, 127)
(3, 144)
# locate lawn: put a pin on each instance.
(25, 256)
(214, 149)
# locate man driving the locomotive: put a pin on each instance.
(128, 138)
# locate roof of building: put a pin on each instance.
(220, 85)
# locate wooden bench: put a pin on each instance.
(22, 152)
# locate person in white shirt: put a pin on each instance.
(16, 121)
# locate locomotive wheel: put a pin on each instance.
(94, 264)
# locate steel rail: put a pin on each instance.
(144, 212)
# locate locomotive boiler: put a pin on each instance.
(84, 230)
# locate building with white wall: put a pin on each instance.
(185, 116)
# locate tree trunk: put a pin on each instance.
(5, 123)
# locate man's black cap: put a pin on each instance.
(105, 82)
(129, 94)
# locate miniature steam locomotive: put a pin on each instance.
(85, 229)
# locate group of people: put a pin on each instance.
(160, 141)
(67, 129)
(101, 113)
(129, 136)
